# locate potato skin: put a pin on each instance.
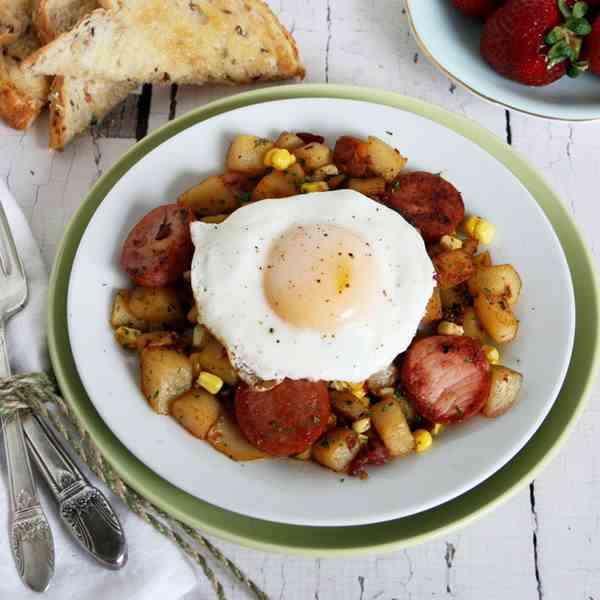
(500, 281)
(122, 315)
(390, 423)
(157, 306)
(210, 197)
(351, 156)
(453, 267)
(313, 156)
(247, 155)
(213, 358)
(347, 405)
(384, 160)
(226, 437)
(497, 318)
(504, 392)
(433, 310)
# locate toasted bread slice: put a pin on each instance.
(75, 103)
(53, 17)
(15, 18)
(22, 93)
(181, 41)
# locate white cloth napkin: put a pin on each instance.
(156, 568)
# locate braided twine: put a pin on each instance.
(38, 391)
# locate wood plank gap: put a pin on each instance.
(328, 45)
(173, 105)
(538, 578)
(508, 128)
(143, 112)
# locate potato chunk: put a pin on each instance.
(453, 267)
(347, 405)
(166, 374)
(213, 358)
(336, 449)
(472, 326)
(390, 423)
(497, 318)
(289, 141)
(277, 184)
(122, 315)
(210, 197)
(197, 411)
(371, 186)
(506, 384)
(500, 281)
(384, 160)
(314, 155)
(226, 437)
(247, 154)
(160, 307)
(433, 311)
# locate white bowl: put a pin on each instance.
(292, 491)
(451, 42)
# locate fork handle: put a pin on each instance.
(30, 536)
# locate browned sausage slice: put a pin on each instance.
(286, 419)
(427, 201)
(447, 377)
(159, 248)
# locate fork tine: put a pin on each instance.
(13, 261)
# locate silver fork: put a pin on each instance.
(30, 537)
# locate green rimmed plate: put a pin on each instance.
(367, 538)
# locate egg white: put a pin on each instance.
(227, 281)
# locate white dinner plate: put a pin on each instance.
(291, 491)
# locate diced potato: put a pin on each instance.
(127, 337)
(455, 296)
(122, 316)
(484, 259)
(337, 449)
(336, 181)
(210, 197)
(192, 316)
(497, 318)
(351, 156)
(304, 455)
(506, 384)
(347, 405)
(226, 437)
(453, 267)
(472, 326)
(213, 358)
(201, 337)
(384, 160)
(277, 184)
(289, 141)
(325, 172)
(156, 338)
(372, 186)
(390, 423)
(433, 311)
(499, 281)
(197, 411)
(157, 306)
(166, 374)
(313, 155)
(386, 378)
(247, 154)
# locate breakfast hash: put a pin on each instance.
(319, 303)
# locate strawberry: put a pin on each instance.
(535, 42)
(479, 9)
(591, 48)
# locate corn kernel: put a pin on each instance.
(423, 440)
(492, 354)
(449, 242)
(357, 389)
(480, 229)
(436, 429)
(362, 425)
(449, 328)
(127, 337)
(362, 438)
(279, 158)
(211, 383)
(316, 186)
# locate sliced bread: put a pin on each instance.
(180, 41)
(22, 93)
(15, 18)
(75, 103)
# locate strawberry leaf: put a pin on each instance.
(579, 26)
(580, 9)
(555, 35)
(564, 8)
(577, 68)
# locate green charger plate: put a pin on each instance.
(335, 541)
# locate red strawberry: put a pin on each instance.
(591, 48)
(535, 42)
(480, 9)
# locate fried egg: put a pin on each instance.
(329, 285)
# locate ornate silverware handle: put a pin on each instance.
(83, 508)
(31, 540)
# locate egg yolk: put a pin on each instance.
(322, 277)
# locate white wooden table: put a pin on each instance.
(542, 544)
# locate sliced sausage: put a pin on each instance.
(286, 419)
(447, 377)
(159, 248)
(427, 201)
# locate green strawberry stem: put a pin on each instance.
(565, 40)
